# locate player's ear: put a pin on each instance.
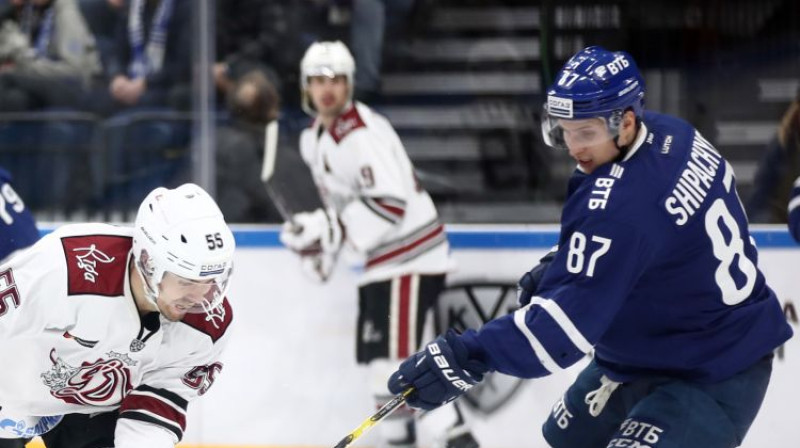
(629, 120)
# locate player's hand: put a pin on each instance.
(439, 373)
(529, 283)
(318, 267)
(311, 233)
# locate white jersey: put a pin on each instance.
(363, 172)
(75, 342)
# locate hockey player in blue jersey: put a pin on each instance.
(17, 226)
(794, 211)
(655, 274)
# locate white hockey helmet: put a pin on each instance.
(325, 59)
(182, 231)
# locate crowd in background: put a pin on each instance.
(109, 58)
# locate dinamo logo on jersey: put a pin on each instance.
(470, 305)
(100, 383)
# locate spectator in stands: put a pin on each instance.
(368, 27)
(47, 55)
(253, 103)
(777, 170)
(150, 62)
(246, 44)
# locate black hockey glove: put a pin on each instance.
(439, 373)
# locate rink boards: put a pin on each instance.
(290, 380)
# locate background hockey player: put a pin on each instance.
(655, 272)
(17, 226)
(374, 205)
(109, 332)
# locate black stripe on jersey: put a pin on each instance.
(142, 417)
(172, 397)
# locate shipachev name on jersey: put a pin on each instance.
(691, 188)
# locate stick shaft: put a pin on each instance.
(268, 170)
(367, 424)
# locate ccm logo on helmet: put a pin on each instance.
(211, 269)
(441, 362)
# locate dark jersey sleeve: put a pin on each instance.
(597, 265)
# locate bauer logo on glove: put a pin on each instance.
(440, 373)
(447, 371)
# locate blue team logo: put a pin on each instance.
(470, 305)
(28, 427)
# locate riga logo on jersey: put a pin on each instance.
(345, 124)
(99, 383)
(96, 264)
(88, 260)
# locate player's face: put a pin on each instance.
(589, 142)
(329, 95)
(178, 296)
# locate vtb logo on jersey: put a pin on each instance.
(470, 305)
(99, 383)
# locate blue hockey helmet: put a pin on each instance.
(594, 83)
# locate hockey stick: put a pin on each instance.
(367, 424)
(268, 169)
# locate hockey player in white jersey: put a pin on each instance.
(109, 332)
(373, 204)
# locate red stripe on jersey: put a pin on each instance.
(393, 209)
(401, 250)
(403, 319)
(137, 402)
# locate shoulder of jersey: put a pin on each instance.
(216, 326)
(350, 121)
(96, 257)
(5, 176)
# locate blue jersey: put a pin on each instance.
(794, 211)
(655, 270)
(17, 226)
